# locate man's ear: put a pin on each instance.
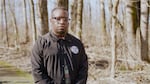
(50, 19)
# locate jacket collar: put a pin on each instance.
(55, 38)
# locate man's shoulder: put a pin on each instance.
(74, 39)
(44, 38)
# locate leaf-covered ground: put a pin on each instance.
(99, 68)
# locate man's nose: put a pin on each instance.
(62, 21)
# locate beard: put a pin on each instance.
(61, 32)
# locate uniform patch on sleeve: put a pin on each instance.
(74, 49)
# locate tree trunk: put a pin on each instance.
(26, 23)
(63, 3)
(113, 37)
(103, 34)
(144, 30)
(44, 16)
(33, 21)
(110, 6)
(131, 25)
(1, 20)
(5, 13)
(16, 27)
(79, 19)
(73, 12)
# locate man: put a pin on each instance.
(58, 57)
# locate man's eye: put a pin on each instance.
(59, 18)
(56, 18)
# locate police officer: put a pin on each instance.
(58, 57)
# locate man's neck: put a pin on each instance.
(60, 36)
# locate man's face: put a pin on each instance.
(59, 22)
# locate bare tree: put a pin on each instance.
(63, 3)
(5, 13)
(103, 34)
(79, 19)
(73, 13)
(110, 5)
(43, 16)
(144, 30)
(16, 27)
(131, 25)
(1, 19)
(113, 36)
(26, 23)
(33, 20)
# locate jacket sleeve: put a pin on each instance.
(39, 72)
(83, 70)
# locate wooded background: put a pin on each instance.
(120, 27)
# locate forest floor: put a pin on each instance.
(11, 75)
(99, 67)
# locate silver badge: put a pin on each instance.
(74, 49)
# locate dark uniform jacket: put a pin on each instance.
(48, 55)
